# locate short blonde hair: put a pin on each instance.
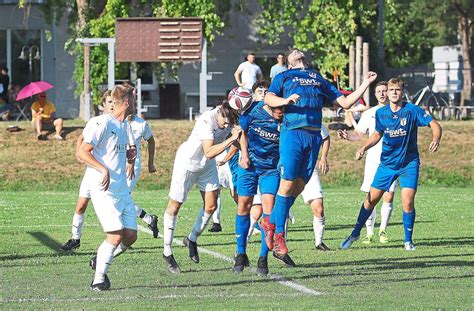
(396, 81)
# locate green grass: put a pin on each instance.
(438, 275)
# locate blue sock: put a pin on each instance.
(364, 214)
(242, 225)
(263, 246)
(408, 224)
(280, 211)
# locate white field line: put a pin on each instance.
(140, 298)
(44, 226)
(278, 278)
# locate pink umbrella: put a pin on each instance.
(33, 88)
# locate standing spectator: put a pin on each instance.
(4, 83)
(250, 72)
(279, 66)
(44, 117)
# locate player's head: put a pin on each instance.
(107, 101)
(251, 57)
(381, 92)
(259, 88)
(227, 115)
(294, 58)
(277, 112)
(395, 90)
(123, 98)
(280, 58)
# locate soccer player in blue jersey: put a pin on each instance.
(398, 124)
(257, 168)
(302, 91)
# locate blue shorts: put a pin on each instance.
(248, 180)
(299, 149)
(407, 176)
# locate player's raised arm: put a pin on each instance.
(211, 150)
(347, 102)
(275, 101)
(373, 140)
(437, 133)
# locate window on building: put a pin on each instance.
(3, 48)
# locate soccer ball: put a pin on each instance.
(239, 98)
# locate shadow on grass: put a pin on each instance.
(296, 228)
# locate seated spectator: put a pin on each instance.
(43, 113)
(5, 110)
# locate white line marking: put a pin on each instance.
(44, 226)
(278, 278)
(140, 298)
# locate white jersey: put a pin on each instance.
(367, 124)
(249, 74)
(191, 153)
(108, 137)
(139, 130)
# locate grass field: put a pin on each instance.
(438, 275)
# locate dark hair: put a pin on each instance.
(4, 68)
(230, 113)
(281, 55)
(384, 83)
(105, 95)
(260, 83)
(288, 53)
(128, 83)
(250, 53)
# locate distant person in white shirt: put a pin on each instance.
(367, 125)
(195, 163)
(249, 71)
(104, 149)
(279, 66)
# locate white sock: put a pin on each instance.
(385, 212)
(105, 254)
(169, 222)
(370, 223)
(77, 222)
(216, 217)
(120, 249)
(201, 222)
(253, 222)
(318, 227)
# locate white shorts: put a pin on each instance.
(182, 181)
(132, 183)
(369, 174)
(85, 188)
(225, 176)
(115, 212)
(313, 189)
(257, 199)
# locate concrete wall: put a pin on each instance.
(57, 65)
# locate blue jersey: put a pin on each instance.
(399, 131)
(313, 90)
(263, 136)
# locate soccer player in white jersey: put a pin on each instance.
(140, 129)
(367, 125)
(104, 150)
(195, 164)
(313, 193)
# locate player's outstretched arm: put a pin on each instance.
(437, 133)
(275, 101)
(373, 140)
(347, 102)
(324, 162)
(151, 155)
(232, 151)
(84, 153)
(211, 150)
(351, 136)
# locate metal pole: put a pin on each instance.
(203, 79)
(111, 65)
(87, 74)
(358, 63)
(365, 69)
(139, 97)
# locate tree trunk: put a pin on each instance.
(465, 34)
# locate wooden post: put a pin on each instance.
(352, 66)
(358, 62)
(87, 78)
(365, 69)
